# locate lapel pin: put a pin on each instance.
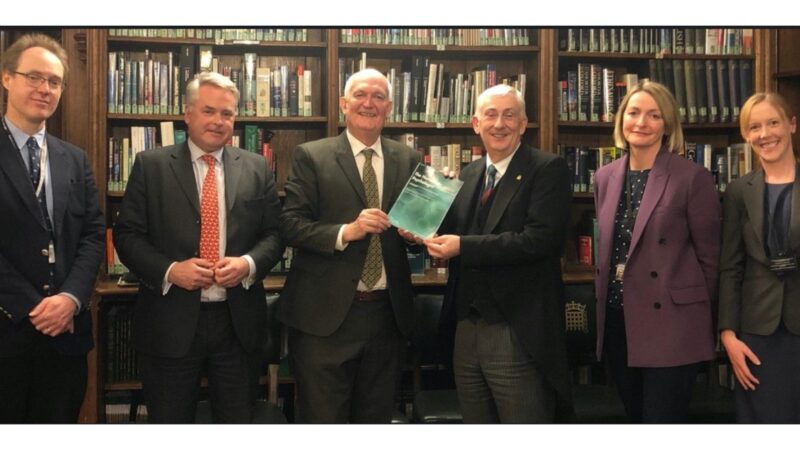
(519, 177)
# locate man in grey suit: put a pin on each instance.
(504, 286)
(348, 297)
(199, 226)
(51, 244)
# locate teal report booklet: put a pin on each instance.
(425, 199)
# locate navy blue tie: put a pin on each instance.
(35, 169)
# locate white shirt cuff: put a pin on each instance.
(165, 285)
(340, 244)
(249, 279)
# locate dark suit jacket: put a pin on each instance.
(324, 191)
(79, 229)
(159, 223)
(517, 255)
(752, 299)
(671, 274)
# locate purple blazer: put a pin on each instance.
(671, 273)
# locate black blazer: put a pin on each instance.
(159, 223)
(79, 229)
(517, 255)
(324, 191)
(751, 298)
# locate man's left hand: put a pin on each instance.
(411, 238)
(53, 315)
(444, 247)
(230, 271)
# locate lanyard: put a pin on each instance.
(42, 158)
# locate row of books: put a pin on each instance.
(707, 91)
(423, 91)
(122, 413)
(593, 93)
(120, 359)
(216, 34)
(155, 83)
(126, 142)
(436, 36)
(662, 41)
(725, 163)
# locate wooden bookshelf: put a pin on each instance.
(86, 121)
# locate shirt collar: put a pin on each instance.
(357, 146)
(501, 166)
(21, 137)
(198, 153)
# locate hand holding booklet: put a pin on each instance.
(424, 201)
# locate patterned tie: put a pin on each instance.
(374, 262)
(209, 214)
(491, 171)
(35, 169)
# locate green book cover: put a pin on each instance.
(424, 201)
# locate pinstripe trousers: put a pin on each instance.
(497, 381)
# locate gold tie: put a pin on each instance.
(374, 262)
(209, 214)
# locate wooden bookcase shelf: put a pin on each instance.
(86, 120)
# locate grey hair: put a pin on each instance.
(212, 78)
(367, 74)
(500, 90)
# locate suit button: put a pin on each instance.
(657, 305)
(45, 252)
(196, 253)
(662, 241)
(653, 274)
(197, 222)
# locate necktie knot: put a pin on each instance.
(209, 160)
(368, 152)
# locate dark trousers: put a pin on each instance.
(351, 375)
(41, 385)
(497, 381)
(777, 395)
(171, 385)
(650, 394)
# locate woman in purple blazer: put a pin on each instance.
(658, 251)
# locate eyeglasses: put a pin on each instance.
(35, 80)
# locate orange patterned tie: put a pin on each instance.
(209, 214)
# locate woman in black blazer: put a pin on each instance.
(759, 316)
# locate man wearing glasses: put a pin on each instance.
(51, 244)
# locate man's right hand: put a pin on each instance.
(739, 353)
(191, 274)
(369, 221)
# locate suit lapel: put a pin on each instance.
(344, 156)
(62, 185)
(11, 163)
(608, 210)
(181, 165)
(753, 196)
(656, 183)
(515, 175)
(232, 164)
(390, 166)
